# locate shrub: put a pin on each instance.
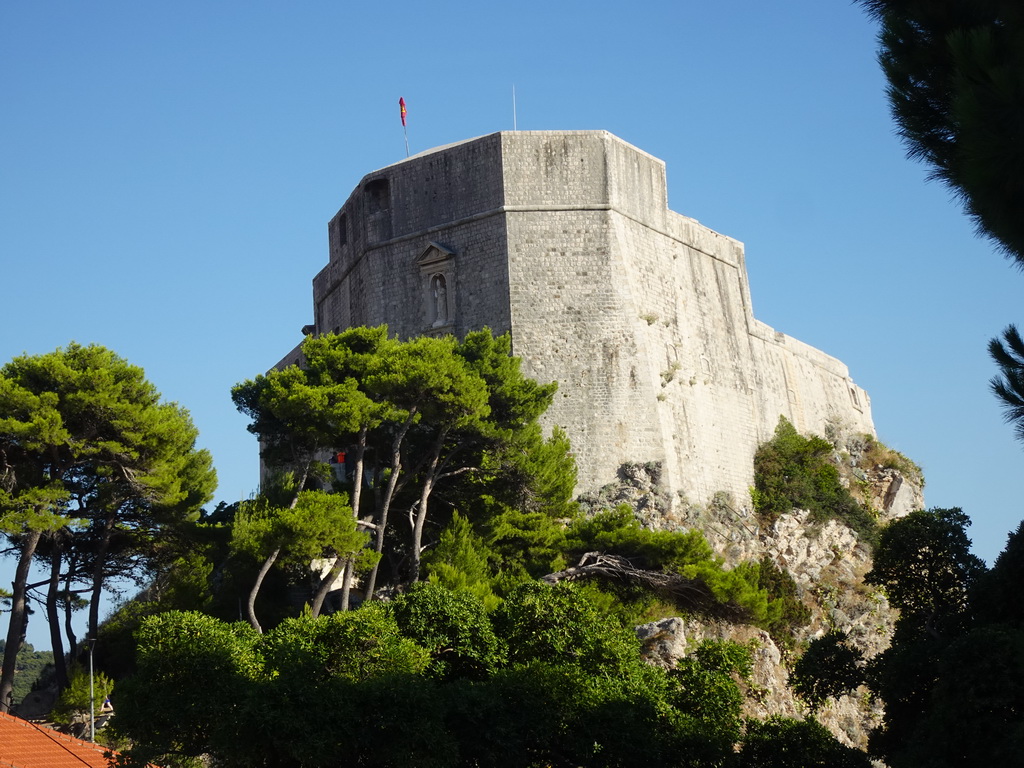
(786, 611)
(878, 454)
(795, 472)
(828, 668)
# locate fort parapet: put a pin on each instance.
(642, 316)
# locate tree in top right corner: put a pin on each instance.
(956, 87)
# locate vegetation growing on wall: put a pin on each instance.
(878, 454)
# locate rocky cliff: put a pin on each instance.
(826, 561)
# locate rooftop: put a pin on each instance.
(27, 745)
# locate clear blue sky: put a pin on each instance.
(167, 171)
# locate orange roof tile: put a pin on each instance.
(27, 745)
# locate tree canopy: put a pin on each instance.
(953, 679)
(410, 419)
(432, 679)
(1008, 386)
(92, 466)
(956, 87)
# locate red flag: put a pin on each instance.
(401, 105)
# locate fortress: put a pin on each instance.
(642, 316)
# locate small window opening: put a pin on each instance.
(377, 196)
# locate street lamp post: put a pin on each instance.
(92, 695)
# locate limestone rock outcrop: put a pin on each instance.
(826, 561)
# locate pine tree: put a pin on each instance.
(956, 87)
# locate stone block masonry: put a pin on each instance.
(642, 316)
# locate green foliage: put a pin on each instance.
(432, 680)
(317, 524)
(319, 521)
(829, 667)
(617, 531)
(781, 742)
(189, 686)
(1008, 386)
(956, 89)
(754, 592)
(90, 451)
(115, 647)
(706, 689)
(353, 646)
(785, 611)
(996, 596)
(430, 420)
(525, 545)
(925, 566)
(973, 714)
(461, 562)
(558, 625)
(32, 667)
(73, 704)
(794, 472)
(531, 474)
(427, 683)
(953, 678)
(453, 626)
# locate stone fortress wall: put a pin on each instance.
(643, 316)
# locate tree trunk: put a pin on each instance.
(250, 606)
(417, 531)
(69, 610)
(346, 584)
(357, 498)
(421, 510)
(396, 468)
(97, 574)
(60, 669)
(325, 584)
(18, 620)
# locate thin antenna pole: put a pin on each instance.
(514, 126)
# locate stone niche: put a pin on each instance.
(438, 289)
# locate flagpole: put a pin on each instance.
(514, 128)
(402, 112)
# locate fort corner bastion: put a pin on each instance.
(643, 316)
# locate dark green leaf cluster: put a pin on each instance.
(953, 678)
(1008, 386)
(786, 612)
(956, 87)
(781, 742)
(453, 626)
(427, 426)
(85, 694)
(926, 568)
(95, 473)
(518, 547)
(795, 472)
(830, 667)
(434, 680)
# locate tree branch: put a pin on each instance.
(689, 594)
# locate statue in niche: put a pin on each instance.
(440, 292)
